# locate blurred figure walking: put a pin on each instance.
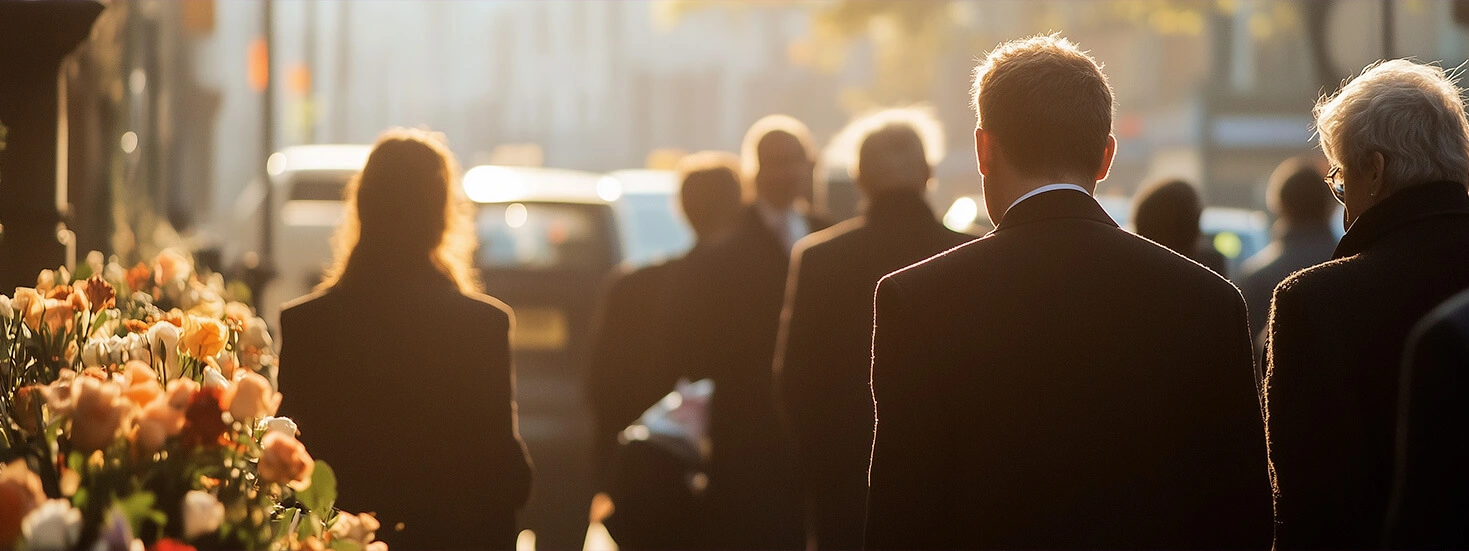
(1431, 486)
(1302, 235)
(1398, 142)
(629, 372)
(723, 326)
(1061, 383)
(1168, 212)
(824, 352)
(399, 321)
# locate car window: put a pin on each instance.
(652, 228)
(318, 185)
(545, 236)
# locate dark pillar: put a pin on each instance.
(34, 37)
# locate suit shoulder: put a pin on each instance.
(834, 237)
(939, 265)
(490, 307)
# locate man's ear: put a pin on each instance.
(1375, 170)
(982, 145)
(1107, 155)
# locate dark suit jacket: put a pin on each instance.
(405, 387)
(1064, 384)
(1430, 505)
(627, 372)
(1294, 248)
(723, 326)
(825, 352)
(1335, 344)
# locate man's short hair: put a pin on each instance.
(1411, 113)
(767, 125)
(1047, 105)
(709, 186)
(1167, 211)
(897, 132)
(1297, 193)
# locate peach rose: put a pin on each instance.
(29, 305)
(60, 315)
(20, 493)
(170, 266)
(284, 460)
(45, 280)
(203, 337)
(156, 423)
(251, 397)
(27, 406)
(99, 414)
(141, 383)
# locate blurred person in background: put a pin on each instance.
(1398, 143)
(1430, 499)
(824, 351)
(399, 321)
(723, 326)
(1302, 235)
(1167, 212)
(628, 369)
(1061, 383)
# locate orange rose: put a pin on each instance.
(251, 397)
(203, 337)
(137, 277)
(284, 460)
(170, 266)
(99, 414)
(20, 493)
(99, 293)
(60, 315)
(28, 400)
(156, 423)
(141, 383)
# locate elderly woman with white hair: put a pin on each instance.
(1398, 143)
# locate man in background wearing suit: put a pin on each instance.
(723, 325)
(1061, 383)
(824, 350)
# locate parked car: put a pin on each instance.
(1236, 233)
(652, 228)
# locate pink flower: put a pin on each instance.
(99, 414)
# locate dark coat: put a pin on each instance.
(627, 371)
(825, 352)
(405, 387)
(1064, 384)
(1335, 344)
(1430, 505)
(723, 326)
(1294, 248)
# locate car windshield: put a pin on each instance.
(652, 230)
(544, 236)
(319, 185)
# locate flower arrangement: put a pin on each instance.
(137, 412)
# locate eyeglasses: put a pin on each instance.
(1336, 184)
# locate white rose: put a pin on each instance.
(6, 311)
(114, 350)
(256, 334)
(94, 353)
(135, 347)
(202, 513)
(214, 379)
(163, 341)
(94, 261)
(360, 528)
(53, 525)
(283, 425)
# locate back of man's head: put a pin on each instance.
(778, 160)
(709, 191)
(1167, 211)
(897, 151)
(1046, 104)
(1297, 194)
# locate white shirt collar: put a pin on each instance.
(1045, 188)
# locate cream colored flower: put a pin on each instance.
(213, 379)
(170, 267)
(29, 305)
(202, 513)
(45, 280)
(283, 425)
(252, 397)
(284, 460)
(55, 525)
(203, 337)
(6, 312)
(163, 342)
(360, 528)
(99, 414)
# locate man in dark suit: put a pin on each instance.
(1303, 236)
(825, 345)
(1061, 383)
(1431, 484)
(628, 371)
(1397, 136)
(723, 326)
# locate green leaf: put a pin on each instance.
(323, 491)
(97, 321)
(138, 508)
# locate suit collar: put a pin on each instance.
(899, 209)
(1051, 205)
(1404, 208)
